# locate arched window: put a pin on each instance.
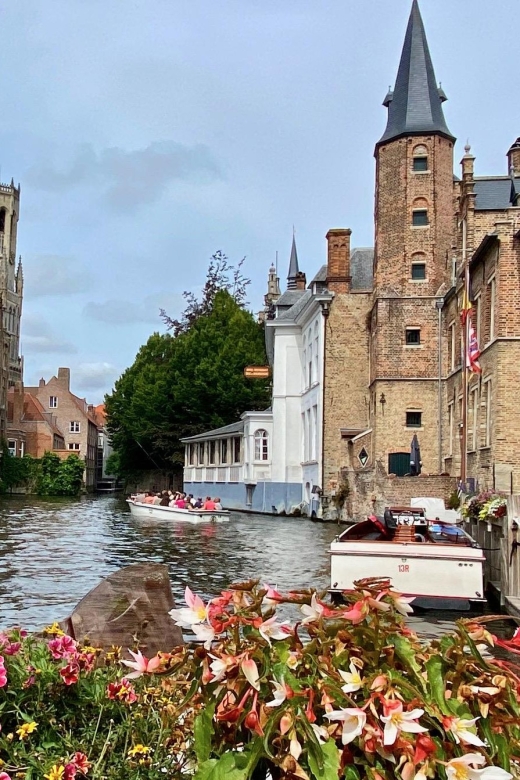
(420, 159)
(420, 213)
(261, 445)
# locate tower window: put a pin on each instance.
(420, 218)
(413, 337)
(413, 419)
(420, 163)
(418, 271)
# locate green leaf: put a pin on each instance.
(435, 672)
(230, 766)
(406, 654)
(330, 762)
(351, 773)
(202, 731)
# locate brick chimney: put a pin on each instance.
(64, 377)
(513, 158)
(338, 260)
(17, 403)
(41, 383)
(301, 281)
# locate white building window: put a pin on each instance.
(53, 402)
(200, 454)
(74, 445)
(314, 442)
(11, 446)
(261, 445)
(309, 368)
(74, 426)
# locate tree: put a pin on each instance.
(191, 381)
(60, 477)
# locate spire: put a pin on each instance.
(415, 105)
(293, 266)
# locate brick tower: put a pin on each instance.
(414, 216)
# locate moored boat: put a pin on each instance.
(173, 513)
(434, 561)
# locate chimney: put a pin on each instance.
(41, 383)
(64, 377)
(301, 281)
(513, 158)
(338, 260)
(18, 403)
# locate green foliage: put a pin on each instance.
(60, 477)
(16, 472)
(454, 500)
(185, 384)
(113, 465)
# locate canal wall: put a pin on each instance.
(498, 538)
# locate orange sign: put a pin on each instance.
(257, 372)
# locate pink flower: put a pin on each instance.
(4, 776)
(70, 673)
(397, 721)
(122, 691)
(271, 597)
(250, 671)
(141, 664)
(195, 613)
(62, 646)
(69, 771)
(7, 646)
(3, 673)
(357, 613)
(81, 762)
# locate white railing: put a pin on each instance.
(210, 474)
(234, 473)
(213, 474)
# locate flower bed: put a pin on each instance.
(346, 691)
(485, 507)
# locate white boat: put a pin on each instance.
(434, 561)
(157, 512)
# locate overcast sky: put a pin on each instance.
(147, 134)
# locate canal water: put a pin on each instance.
(53, 551)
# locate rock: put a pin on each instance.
(132, 603)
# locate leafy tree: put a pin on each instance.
(16, 472)
(191, 381)
(60, 477)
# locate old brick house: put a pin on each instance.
(73, 417)
(393, 349)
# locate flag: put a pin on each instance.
(466, 303)
(473, 351)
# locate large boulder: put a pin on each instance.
(130, 604)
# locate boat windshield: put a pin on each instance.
(443, 533)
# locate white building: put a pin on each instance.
(271, 461)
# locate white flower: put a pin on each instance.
(353, 679)
(194, 613)
(459, 769)
(313, 612)
(280, 694)
(295, 749)
(321, 733)
(353, 720)
(401, 603)
(459, 728)
(204, 633)
(400, 721)
(490, 691)
(220, 666)
(271, 629)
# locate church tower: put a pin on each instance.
(414, 227)
(11, 279)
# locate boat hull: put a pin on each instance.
(436, 576)
(175, 514)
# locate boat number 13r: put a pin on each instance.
(403, 567)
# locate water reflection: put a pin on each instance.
(53, 551)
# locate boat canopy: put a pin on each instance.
(434, 509)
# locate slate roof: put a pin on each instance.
(292, 313)
(494, 193)
(321, 276)
(289, 298)
(362, 268)
(293, 265)
(217, 433)
(415, 105)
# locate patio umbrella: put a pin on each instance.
(415, 457)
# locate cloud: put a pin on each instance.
(124, 312)
(129, 178)
(38, 337)
(94, 376)
(57, 275)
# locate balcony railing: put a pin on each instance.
(213, 474)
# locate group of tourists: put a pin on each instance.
(178, 500)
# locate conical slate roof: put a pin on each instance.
(293, 267)
(415, 105)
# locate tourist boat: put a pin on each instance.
(174, 513)
(430, 559)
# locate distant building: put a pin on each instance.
(32, 430)
(74, 418)
(105, 481)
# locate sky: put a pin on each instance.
(147, 135)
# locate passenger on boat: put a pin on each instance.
(191, 500)
(149, 498)
(139, 498)
(209, 504)
(218, 504)
(181, 502)
(157, 499)
(198, 504)
(165, 499)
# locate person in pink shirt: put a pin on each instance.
(181, 502)
(209, 504)
(150, 498)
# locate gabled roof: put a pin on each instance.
(289, 298)
(216, 433)
(415, 105)
(292, 313)
(362, 268)
(494, 193)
